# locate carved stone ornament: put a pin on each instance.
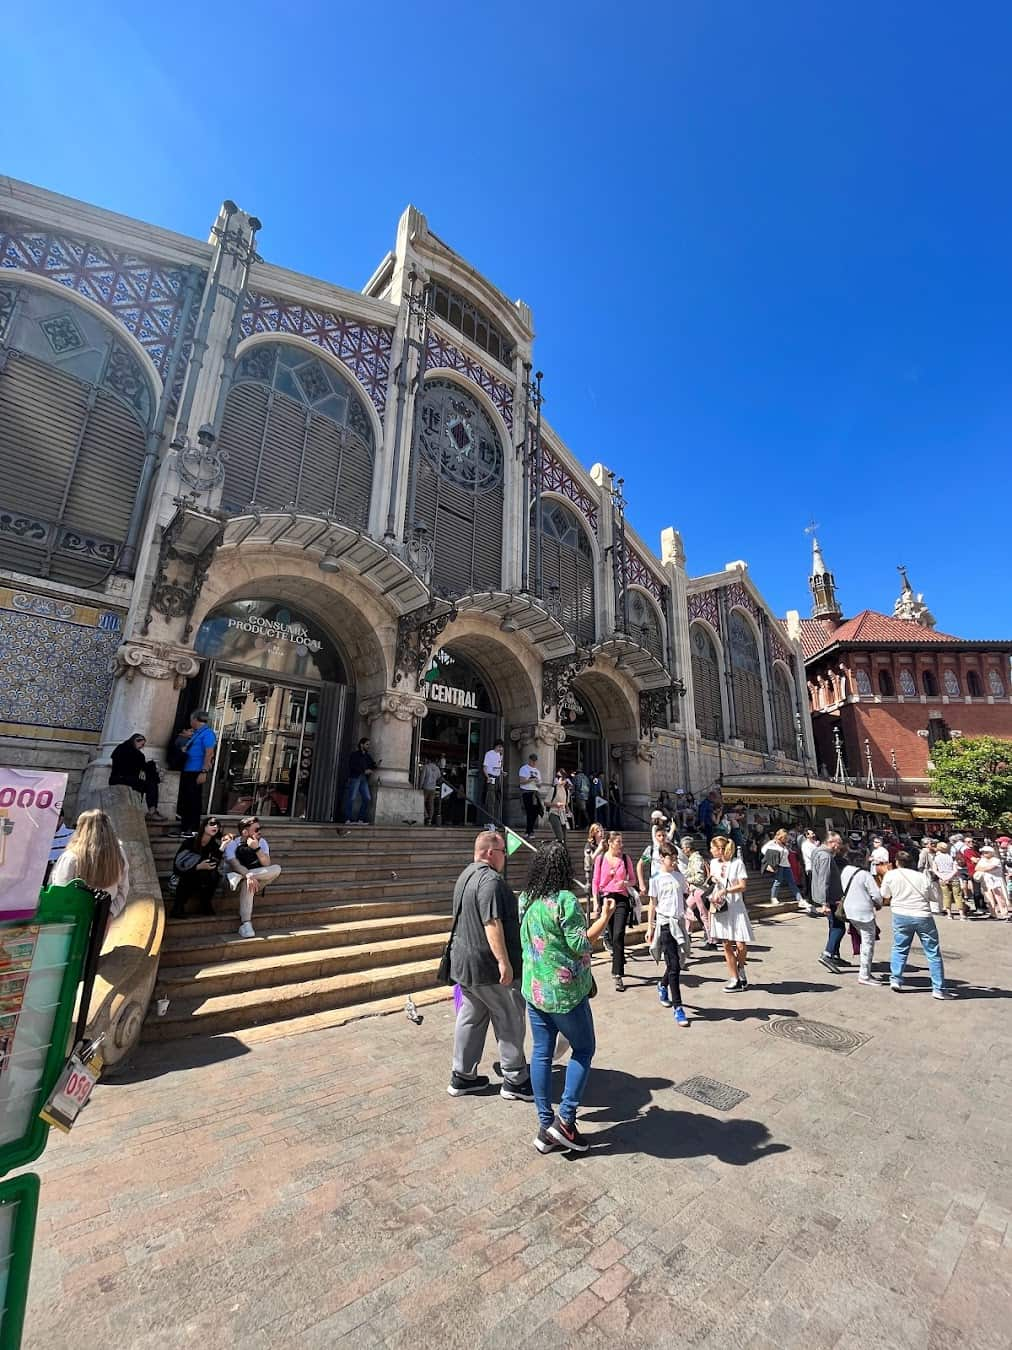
(156, 660)
(557, 678)
(393, 704)
(417, 632)
(540, 733)
(633, 751)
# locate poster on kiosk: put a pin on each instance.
(43, 945)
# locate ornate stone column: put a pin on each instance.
(536, 738)
(149, 676)
(635, 757)
(391, 717)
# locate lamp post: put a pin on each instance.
(839, 776)
(720, 750)
(618, 558)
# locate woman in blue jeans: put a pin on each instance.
(557, 984)
(907, 891)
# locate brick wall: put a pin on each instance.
(894, 726)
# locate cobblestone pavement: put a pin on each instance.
(319, 1189)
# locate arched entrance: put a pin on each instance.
(279, 695)
(463, 722)
(584, 747)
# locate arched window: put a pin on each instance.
(950, 683)
(746, 683)
(644, 624)
(907, 687)
(929, 683)
(973, 685)
(783, 713)
(75, 409)
(885, 684)
(459, 489)
(296, 434)
(706, 684)
(469, 320)
(995, 683)
(567, 568)
(863, 681)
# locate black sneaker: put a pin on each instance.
(517, 1092)
(460, 1084)
(544, 1142)
(567, 1136)
(826, 960)
(841, 962)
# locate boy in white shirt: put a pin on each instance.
(667, 906)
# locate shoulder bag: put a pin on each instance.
(443, 970)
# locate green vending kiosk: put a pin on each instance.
(42, 961)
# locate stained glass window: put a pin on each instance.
(907, 687)
(995, 684)
(567, 568)
(950, 681)
(706, 684)
(863, 682)
(746, 683)
(296, 434)
(469, 320)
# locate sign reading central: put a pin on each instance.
(458, 698)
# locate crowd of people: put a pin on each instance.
(527, 959)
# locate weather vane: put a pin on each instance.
(811, 527)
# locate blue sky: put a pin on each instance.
(767, 245)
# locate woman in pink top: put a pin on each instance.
(615, 877)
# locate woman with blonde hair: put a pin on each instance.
(728, 916)
(95, 856)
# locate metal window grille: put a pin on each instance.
(746, 683)
(469, 320)
(706, 684)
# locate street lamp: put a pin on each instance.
(720, 750)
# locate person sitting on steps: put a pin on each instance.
(249, 869)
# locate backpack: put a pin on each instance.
(175, 755)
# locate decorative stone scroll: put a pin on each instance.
(538, 733)
(393, 705)
(634, 752)
(156, 660)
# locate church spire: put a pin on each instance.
(910, 606)
(822, 585)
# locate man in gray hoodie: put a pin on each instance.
(827, 896)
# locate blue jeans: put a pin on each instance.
(837, 928)
(904, 928)
(357, 787)
(578, 1028)
(785, 877)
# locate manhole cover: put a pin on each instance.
(720, 1096)
(816, 1034)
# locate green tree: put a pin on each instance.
(973, 776)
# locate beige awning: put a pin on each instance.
(932, 813)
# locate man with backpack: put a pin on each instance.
(197, 745)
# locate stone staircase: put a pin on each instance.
(356, 922)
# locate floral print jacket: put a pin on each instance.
(556, 951)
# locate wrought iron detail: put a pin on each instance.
(416, 635)
(179, 574)
(442, 354)
(8, 299)
(557, 678)
(555, 477)
(25, 527)
(127, 381)
(654, 711)
(707, 1091)
(62, 334)
(703, 605)
(639, 574)
(817, 1035)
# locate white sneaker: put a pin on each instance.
(246, 930)
(944, 993)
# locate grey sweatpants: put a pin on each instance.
(502, 1005)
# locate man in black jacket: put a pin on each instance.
(827, 896)
(485, 960)
(130, 767)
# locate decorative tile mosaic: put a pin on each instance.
(57, 663)
(142, 294)
(738, 595)
(555, 477)
(639, 574)
(778, 648)
(442, 353)
(703, 605)
(364, 348)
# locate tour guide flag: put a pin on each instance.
(513, 842)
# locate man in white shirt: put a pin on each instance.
(492, 768)
(248, 867)
(809, 843)
(530, 792)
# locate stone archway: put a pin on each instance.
(615, 699)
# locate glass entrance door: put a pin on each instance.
(266, 738)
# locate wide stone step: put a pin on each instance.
(204, 1016)
(210, 949)
(304, 914)
(265, 967)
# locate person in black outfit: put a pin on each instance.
(360, 766)
(130, 767)
(196, 868)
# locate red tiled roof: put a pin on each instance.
(868, 626)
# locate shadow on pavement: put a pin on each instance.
(661, 1133)
(617, 1095)
(154, 1060)
(735, 1012)
(783, 987)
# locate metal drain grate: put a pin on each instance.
(721, 1096)
(819, 1035)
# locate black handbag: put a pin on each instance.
(443, 970)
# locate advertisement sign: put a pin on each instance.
(19, 1205)
(30, 801)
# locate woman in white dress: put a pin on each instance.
(730, 925)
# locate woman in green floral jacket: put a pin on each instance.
(557, 984)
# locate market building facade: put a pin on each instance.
(324, 514)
